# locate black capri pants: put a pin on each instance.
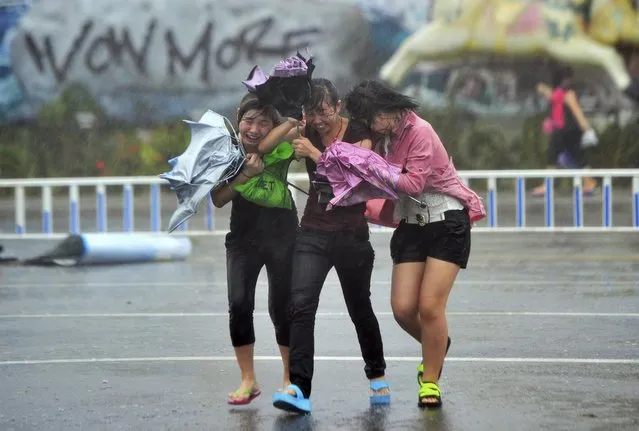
(243, 265)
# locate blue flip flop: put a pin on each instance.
(294, 404)
(380, 399)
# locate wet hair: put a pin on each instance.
(322, 90)
(560, 74)
(370, 97)
(250, 102)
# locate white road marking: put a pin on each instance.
(524, 360)
(501, 282)
(319, 314)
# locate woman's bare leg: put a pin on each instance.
(405, 288)
(437, 283)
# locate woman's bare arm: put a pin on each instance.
(573, 104)
(225, 194)
(365, 143)
(277, 135)
(544, 90)
(253, 166)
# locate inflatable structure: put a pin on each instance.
(601, 33)
(114, 248)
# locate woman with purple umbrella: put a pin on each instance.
(337, 238)
(433, 216)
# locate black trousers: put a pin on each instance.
(243, 265)
(352, 255)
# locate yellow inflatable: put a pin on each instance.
(570, 31)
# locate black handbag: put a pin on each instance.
(324, 191)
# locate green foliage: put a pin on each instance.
(483, 144)
(619, 147)
(56, 145)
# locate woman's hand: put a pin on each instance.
(253, 166)
(304, 148)
(297, 126)
(589, 139)
(544, 90)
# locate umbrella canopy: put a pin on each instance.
(288, 86)
(356, 174)
(213, 156)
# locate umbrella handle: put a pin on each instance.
(290, 184)
(297, 188)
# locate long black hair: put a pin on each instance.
(250, 102)
(371, 97)
(322, 90)
(561, 76)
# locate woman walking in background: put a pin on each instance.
(570, 130)
(432, 240)
(259, 236)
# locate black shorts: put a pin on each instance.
(569, 142)
(447, 240)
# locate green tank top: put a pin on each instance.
(269, 189)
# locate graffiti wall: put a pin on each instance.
(12, 101)
(155, 60)
(152, 60)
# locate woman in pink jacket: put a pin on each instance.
(433, 217)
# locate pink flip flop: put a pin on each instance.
(244, 397)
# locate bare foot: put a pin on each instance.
(431, 392)
(290, 392)
(383, 391)
(539, 190)
(430, 400)
(284, 384)
(590, 184)
(245, 391)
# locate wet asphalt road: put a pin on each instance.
(545, 331)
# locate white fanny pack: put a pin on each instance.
(426, 208)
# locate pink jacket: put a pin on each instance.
(426, 167)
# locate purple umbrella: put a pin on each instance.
(288, 86)
(357, 174)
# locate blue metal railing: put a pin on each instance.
(155, 185)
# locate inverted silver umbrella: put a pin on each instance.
(214, 156)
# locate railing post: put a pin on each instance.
(156, 214)
(101, 213)
(549, 202)
(521, 202)
(635, 202)
(20, 210)
(606, 216)
(47, 210)
(578, 205)
(492, 202)
(74, 209)
(127, 211)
